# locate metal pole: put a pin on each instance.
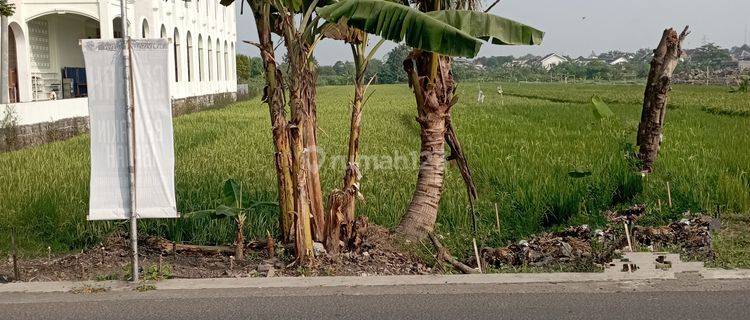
(127, 73)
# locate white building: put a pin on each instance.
(46, 61)
(552, 60)
(618, 61)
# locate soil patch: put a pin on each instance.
(379, 254)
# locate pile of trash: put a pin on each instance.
(570, 245)
(692, 236)
(582, 245)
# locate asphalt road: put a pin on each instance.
(627, 300)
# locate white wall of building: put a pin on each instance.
(200, 19)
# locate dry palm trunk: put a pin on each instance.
(666, 57)
(274, 97)
(433, 88)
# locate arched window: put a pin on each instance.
(189, 57)
(117, 28)
(163, 31)
(201, 56)
(145, 33)
(218, 60)
(177, 58)
(210, 63)
(226, 61)
(233, 61)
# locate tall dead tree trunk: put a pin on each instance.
(666, 57)
(274, 96)
(430, 77)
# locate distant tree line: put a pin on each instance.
(707, 58)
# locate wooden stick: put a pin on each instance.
(669, 194)
(476, 254)
(16, 273)
(497, 218)
(627, 235)
(443, 254)
(168, 246)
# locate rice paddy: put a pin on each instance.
(521, 145)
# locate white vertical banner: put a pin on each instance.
(108, 120)
(154, 144)
(154, 141)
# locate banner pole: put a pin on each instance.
(127, 72)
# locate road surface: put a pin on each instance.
(664, 299)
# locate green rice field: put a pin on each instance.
(521, 147)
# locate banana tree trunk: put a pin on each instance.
(314, 188)
(429, 76)
(239, 242)
(341, 203)
(298, 126)
(274, 97)
(658, 85)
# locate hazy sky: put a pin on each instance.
(577, 27)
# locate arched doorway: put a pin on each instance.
(13, 90)
(56, 66)
(18, 65)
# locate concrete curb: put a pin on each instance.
(365, 281)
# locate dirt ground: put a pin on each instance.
(379, 255)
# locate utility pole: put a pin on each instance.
(127, 74)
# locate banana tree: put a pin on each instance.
(295, 141)
(300, 192)
(341, 203)
(436, 35)
(235, 207)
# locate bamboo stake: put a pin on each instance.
(16, 273)
(497, 218)
(627, 235)
(658, 201)
(476, 254)
(669, 194)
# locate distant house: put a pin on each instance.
(618, 61)
(743, 60)
(552, 60)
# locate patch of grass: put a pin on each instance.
(157, 273)
(732, 244)
(520, 150)
(107, 277)
(144, 287)
(727, 111)
(87, 289)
